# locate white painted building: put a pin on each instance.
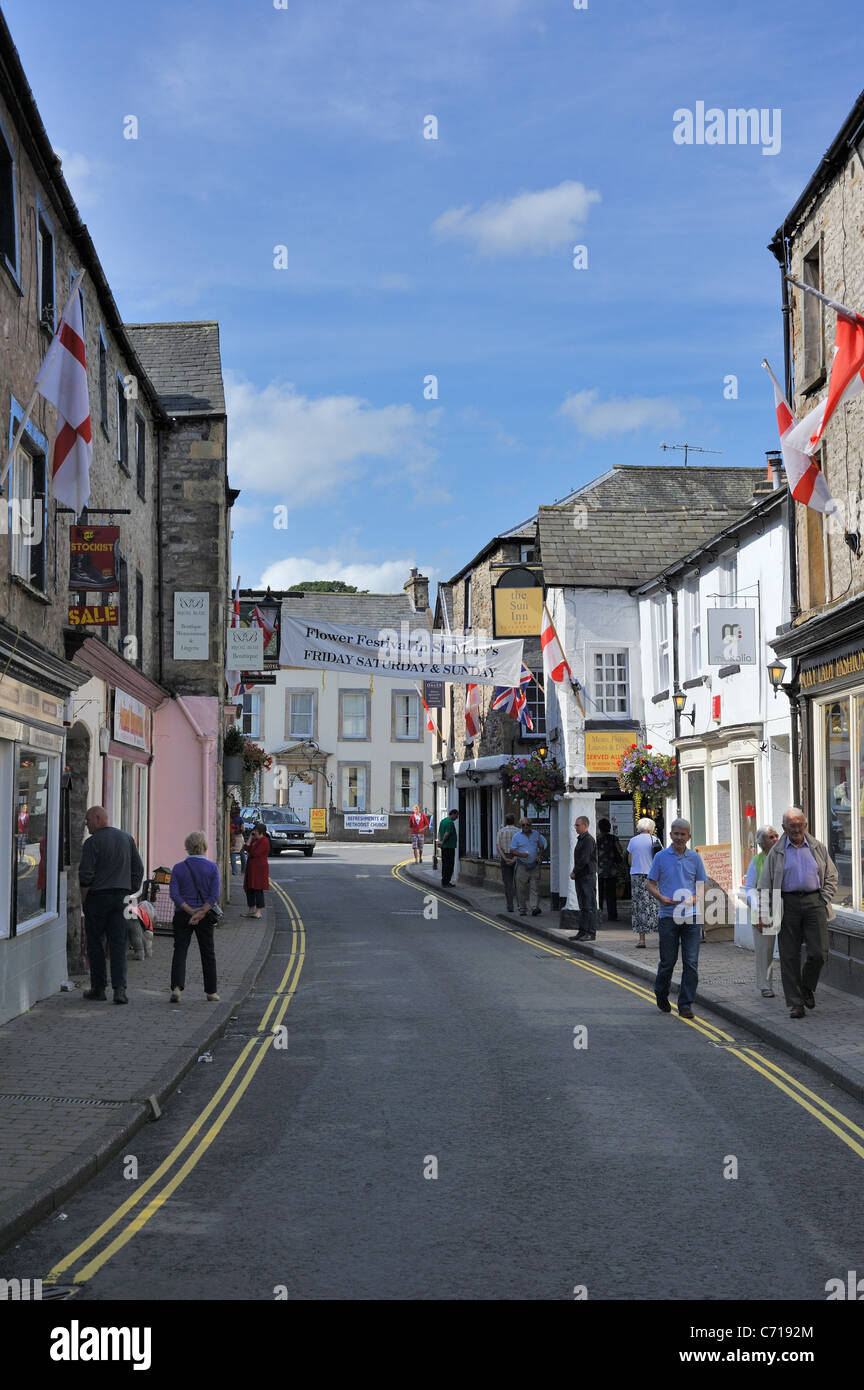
(595, 550)
(733, 736)
(344, 743)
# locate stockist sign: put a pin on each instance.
(93, 559)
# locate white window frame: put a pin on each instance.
(596, 693)
(292, 714)
(253, 713)
(345, 770)
(411, 717)
(727, 576)
(415, 789)
(691, 630)
(660, 641)
(21, 491)
(354, 738)
(536, 706)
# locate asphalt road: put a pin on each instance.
(419, 1046)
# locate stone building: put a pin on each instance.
(820, 243)
(79, 704)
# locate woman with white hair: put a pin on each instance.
(640, 855)
(195, 889)
(763, 944)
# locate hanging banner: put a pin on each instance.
(93, 559)
(731, 636)
(268, 620)
(398, 653)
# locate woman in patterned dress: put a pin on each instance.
(640, 853)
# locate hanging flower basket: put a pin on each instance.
(645, 774)
(255, 759)
(531, 780)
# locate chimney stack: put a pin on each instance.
(417, 589)
(775, 464)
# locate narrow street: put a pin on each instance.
(431, 1132)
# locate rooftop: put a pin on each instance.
(184, 364)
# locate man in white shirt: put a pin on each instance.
(507, 860)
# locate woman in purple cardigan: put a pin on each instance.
(195, 888)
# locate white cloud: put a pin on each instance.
(535, 222)
(299, 449)
(619, 414)
(80, 174)
(388, 577)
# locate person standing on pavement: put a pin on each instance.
(195, 889)
(256, 879)
(764, 938)
(448, 839)
(609, 859)
(796, 888)
(506, 860)
(238, 844)
(418, 824)
(640, 856)
(677, 880)
(584, 875)
(110, 870)
(527, 847)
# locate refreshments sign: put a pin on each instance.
(130, 721)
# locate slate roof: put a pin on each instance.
(366, 610)
(183, 363)
(638, 520)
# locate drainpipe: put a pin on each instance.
(674, 593)
(206, 743)
(160, 616)
(794, 606)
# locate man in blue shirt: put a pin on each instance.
(677, 880)
(527, 846)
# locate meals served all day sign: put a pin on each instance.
(406, 651)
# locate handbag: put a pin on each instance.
(215, 910)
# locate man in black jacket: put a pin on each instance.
(109, 871)
(584, 876)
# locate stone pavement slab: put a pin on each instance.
(77, 1076)
(830, 1038)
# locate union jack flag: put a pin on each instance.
(513, 700)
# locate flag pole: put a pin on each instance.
(28, 411)
(429, 712)
(831, 303)
(574, 684)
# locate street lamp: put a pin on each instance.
(679, 699)
(776, 674)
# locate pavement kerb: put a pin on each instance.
(18, 1214)
(847, 1078)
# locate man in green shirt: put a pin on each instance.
(448, 839)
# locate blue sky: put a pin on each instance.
(302, 127)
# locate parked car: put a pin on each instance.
(284, 827)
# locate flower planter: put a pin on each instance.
(232, 770)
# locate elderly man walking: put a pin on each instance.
(763, 937)
(110, 869)
(677, 880)
(796, 888)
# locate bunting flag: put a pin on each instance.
(472, 713)
(555, 664)
(62, 380)
(806, 479)
(513, 700)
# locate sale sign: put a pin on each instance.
(95, 615)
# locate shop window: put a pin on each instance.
(842, 826)
(34, 876)
(696, 805)
(128, 819)
(724, 815)
(747, 847)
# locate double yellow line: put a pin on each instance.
(826, 1114)
(231, 1091)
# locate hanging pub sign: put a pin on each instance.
(93, 559)
(93, 615)
(517, 604)
(266, 619)
(731, 636)
(433, 694)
